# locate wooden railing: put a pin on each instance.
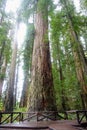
(10, 117)
(6, 117)
(71, 114)
(42, 115)
(81, 116)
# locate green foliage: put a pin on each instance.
(5, 26)
(62, 57)
(4, 40)
(27, 9)
(1, 105)
(5, 44)
(20, 109)
(45, 3)
(83, 4)
(2, 76)
(63, 67)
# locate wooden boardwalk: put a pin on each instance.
(43, 125)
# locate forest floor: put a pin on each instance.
(44, 125)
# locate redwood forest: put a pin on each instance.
(45, 68)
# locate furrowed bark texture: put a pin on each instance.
(41, 91)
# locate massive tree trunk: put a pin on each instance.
(41, 91)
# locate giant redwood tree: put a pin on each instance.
(41, 90)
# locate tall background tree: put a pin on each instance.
(71, 21)
(5, 42)
(9, 103)
(27, 57)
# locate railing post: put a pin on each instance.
(66, 115)
(0, 117)
(55, 114)
(86, 115)
(11, 118)
(37, 116)
(78, 119)
(20, 116)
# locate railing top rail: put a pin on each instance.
(41, 112)
(32, 112)
(71, 111)
(10, 112)
(81, 111)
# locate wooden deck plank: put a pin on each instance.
(42, 125)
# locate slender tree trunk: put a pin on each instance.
(9, 104)
(27, 63)
(63, 96)
(3, 5)
(10, 95)
(81, 65)
(2, 60)
(24, 97)
(16, 84)
(2, 73)
(41, 91)
(3, 70)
